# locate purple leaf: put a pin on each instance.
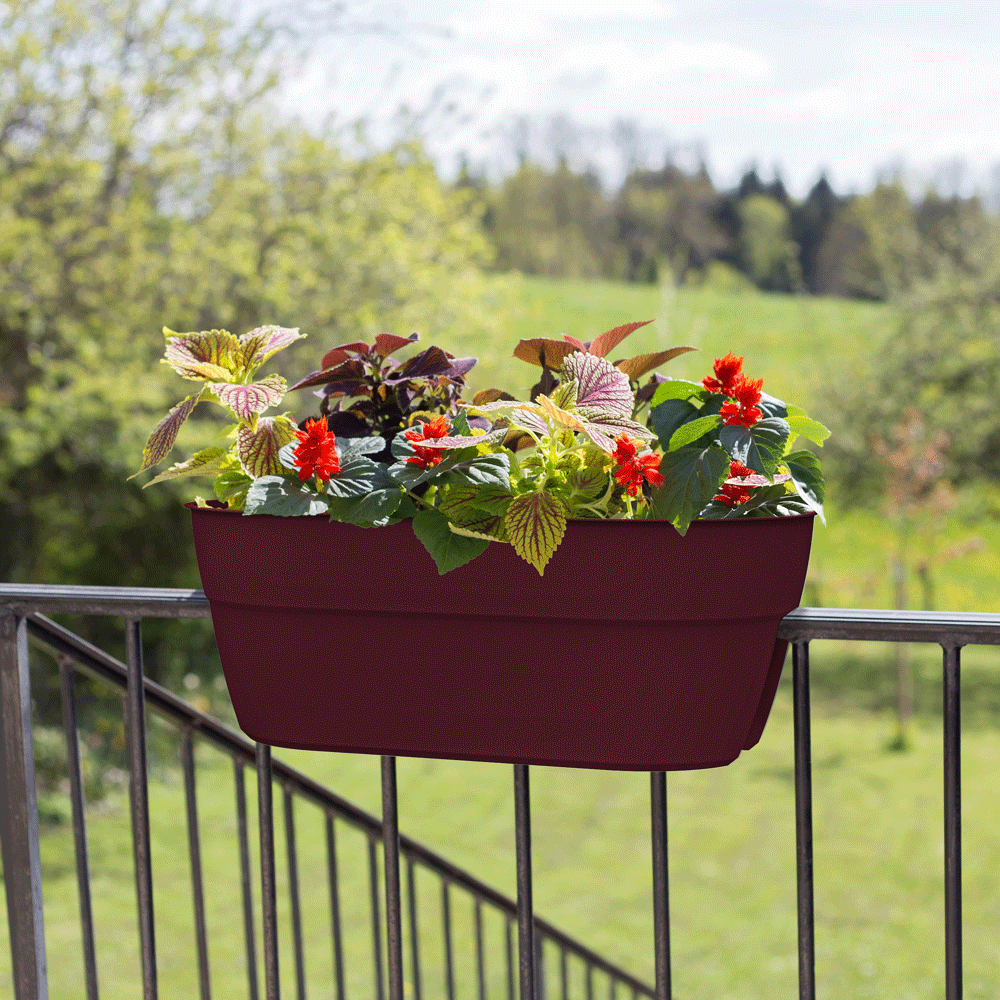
(258, 449)
(246, 400)
(599, 385)
(260, 344)
(165, 432)
(209, 354)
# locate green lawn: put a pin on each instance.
(878, 816)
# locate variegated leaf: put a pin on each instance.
(258, 449)
(604, 430)
(208, 354)
(246, 400)
(165, 433)
(260, 344)
(494, 434)
(535, 523)
(559, 416)
(599, 385)
(207, 462)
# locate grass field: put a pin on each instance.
(877, 813)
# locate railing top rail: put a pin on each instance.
(129, 602)
(958, 628)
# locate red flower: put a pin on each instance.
(733, 494)
(745, 410)
(632, 470)
(316, 452)
(426, 458)
(727, 372)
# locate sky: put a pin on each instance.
(798, 87)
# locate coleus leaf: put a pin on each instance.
(207, 462)
(557, 416)
(232, 485)
(448, 549)
(545, 352)
(690, 432)
(461, 505)
(692, 476)
(207, 354)
(494, 434)
(283, 497)
(642, 364)
(600, 387)
(804, 468)
(432, 361)
(386, 343)
(601, 345)
(258, 448)
(602, 431)
(759, 447)
(264, 342)
(535, 523)
(246, 400)
(164, 434)
(347, 370)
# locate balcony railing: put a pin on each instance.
(23, 610)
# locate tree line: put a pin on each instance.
(676, 224)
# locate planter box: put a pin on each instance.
(637, 650)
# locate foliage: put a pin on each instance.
(726, 448)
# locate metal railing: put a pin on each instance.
(22, 614)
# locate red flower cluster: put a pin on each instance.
(426, 457)
(316, 452)
(730, 381)
(733, 494)
(633, 470)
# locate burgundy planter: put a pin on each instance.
(637, 650)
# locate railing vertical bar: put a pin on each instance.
(338, 941)
(293, 893)
(411, 884)
(268, 882)
(590, 981)
(19, 815)
(135, 724)
(393, 894)
(661, 891)
(246, 881)
(612, 988)
(509, 929)
(480, 957)
(67, 681)
(525, 909)
(803, 820)
(539, 966)
(376, 918)
(564, 973)
(449, 967)
(194, 852)
(952, 822)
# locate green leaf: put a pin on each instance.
(692, 476)
(668, 416)
(690, 432)
(760, 447)
(283, 497)
(483, 470)
(367, 510)
(206, 462)
(361, 476)
(807, 476)
(447, 549)
(231, 484)
(676, 388)
(812, 430)
(535, 525)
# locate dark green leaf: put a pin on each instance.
(448, 550)
(668, 416)
(369, 510)
(759, 447)
(360, 476)
(283, 497)
(692, 476)
(807, 475)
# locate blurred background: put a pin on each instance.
(814, 185)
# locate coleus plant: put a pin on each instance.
(398, 442)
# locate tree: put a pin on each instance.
(145, 179)
(767, 253)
